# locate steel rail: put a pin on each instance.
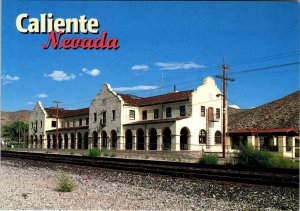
(274, 177)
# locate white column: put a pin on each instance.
(282, 144)
(159, 142)
(175, 142)
(69, 141)
(51, 143)
(251, 140)
(134, 144)
(146, 142)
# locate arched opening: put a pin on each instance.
(79, 140)
(218, 137)
(31, 141)
(184, 138)
(41, 141)
(66, 138)
(128, 140)
(202, 137)
(36, 141)
(114, 139)
(153, 139)
(95, 139)
(48, 142)
(86, 140)
(166, 139)
(73, 141)
(140, 139)
(54, 141)
(104, 139)
(59, 141)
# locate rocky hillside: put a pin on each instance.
(22, 115)
(281, 113)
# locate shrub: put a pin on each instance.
(94, 152)
(113, 155)
(249, 157)
(209, 159)
(278, 161)
(106, 154)
(65, 183)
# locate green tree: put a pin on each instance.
(13, 131)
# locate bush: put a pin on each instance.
(113, 155)
(65, 183)
(106, 154)
(249, 157)
(209, 159)
(94, 152)
(278, 161)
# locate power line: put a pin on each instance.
(266, 58)
(266, 68)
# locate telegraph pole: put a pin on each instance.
(224, 95)
(56, 141)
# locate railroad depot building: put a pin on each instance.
(184, 120)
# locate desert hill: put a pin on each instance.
(281, 113)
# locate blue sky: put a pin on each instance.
(183, 41)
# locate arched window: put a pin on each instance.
(218, 137)
(202, 137)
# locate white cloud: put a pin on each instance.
(9, 79)
(30, 103)
(42, 95)
(135, 88)
(178, 65)
(59, 75)
(234, 106)
(142, 67)
(93, 72)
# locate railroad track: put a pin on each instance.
(274, 177)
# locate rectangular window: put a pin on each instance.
(68, 123)
(53, 124)
(202, 110)
(113, 114)
(80, 122)
(41, 123)
(156, 113)
(87, 121)
(132, 114)
(182, 110)
(104, 117)
(168, 112)
(74, 122)
(218, 113)
(95, 117)
(145, 115)
(31, 124)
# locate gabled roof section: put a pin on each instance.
(62, 113)
(159, 99)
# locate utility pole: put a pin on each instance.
(224, 95)
(56, 141)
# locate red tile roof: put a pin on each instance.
(263, 131)
(62, 113)
(159, 99)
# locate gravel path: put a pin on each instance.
(31, 185)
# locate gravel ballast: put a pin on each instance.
(31, 185)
